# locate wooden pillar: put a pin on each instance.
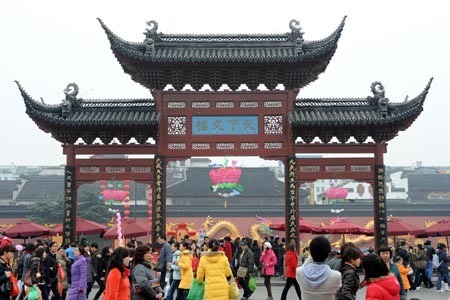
(291, 202)
(159, 198)
(70, 197)
(379, 198)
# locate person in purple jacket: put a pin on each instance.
(78, 286)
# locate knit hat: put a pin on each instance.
(268, 245)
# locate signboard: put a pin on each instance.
(224, 125)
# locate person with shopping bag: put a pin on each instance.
(269, 261)
(245, 269)
(214, 270)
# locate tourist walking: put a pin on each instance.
(245, 268)
(380, 283)
(421, 265)
(117, 280)
(102, 265)
(63, 263)
(185, 266)
(39, 272)
(269, 263)
(164, 259)
(385, 252)
(291, 263)
(442, 270)
(6, 255)
(145, 286)
(214, 269)
(78, 286)
(176, 276)
(351, 259)
(317, 281)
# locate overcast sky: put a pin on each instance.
(48, 44)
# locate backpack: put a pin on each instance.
(436, 263)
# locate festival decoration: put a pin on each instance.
(113, 192)
(336, 194)
(119, 229)
(225, 180)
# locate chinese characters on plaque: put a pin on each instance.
(291, 200)
(70, 205)
(380, 206)
(218, 125)
(159, 205)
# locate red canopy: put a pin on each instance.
(441, 228)
(130, 228)
(397, 227)
(83, 227)
(304, 226)
(343, 226)
(26, 229)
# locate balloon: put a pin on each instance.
(119, 229)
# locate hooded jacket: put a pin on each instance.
(383, 288)
(185, 265)
(317, 281)
(214, 269)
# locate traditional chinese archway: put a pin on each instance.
(223, 120)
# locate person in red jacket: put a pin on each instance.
(228, 249)
(291, 262)
(380, 284)
(117, 280)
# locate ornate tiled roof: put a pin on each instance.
(181, 59)
(88, 119)
(361, 118)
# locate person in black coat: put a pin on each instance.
(7, 253)
(351, 259)
(256, 255)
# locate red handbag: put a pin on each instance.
(15, 287)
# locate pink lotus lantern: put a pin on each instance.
(336, 193)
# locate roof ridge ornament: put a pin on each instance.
(71, 100)
(379, 98)
(150, 36)
(296, 36)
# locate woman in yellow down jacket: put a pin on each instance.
(185, 265)
(215, 267)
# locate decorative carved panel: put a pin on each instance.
(176, 104)
(197, 104)
(114, 169)
(249, 146)
(361, 168)
(176, 146)
(335, 168)
(273, 104)
(89, 170)
(273, 145)
(224, 104)
(273, 124)
(201, 146)
(176, 125)
(225, 146)
(309, 168)
(249, 104)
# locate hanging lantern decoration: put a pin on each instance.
(225, 181)
(336, 194)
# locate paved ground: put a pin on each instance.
(278, 284)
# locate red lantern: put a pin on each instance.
(127, 186)
(126, 212)
(126, 205)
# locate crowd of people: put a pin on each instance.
(138, 271)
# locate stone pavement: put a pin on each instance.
(278, 285)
